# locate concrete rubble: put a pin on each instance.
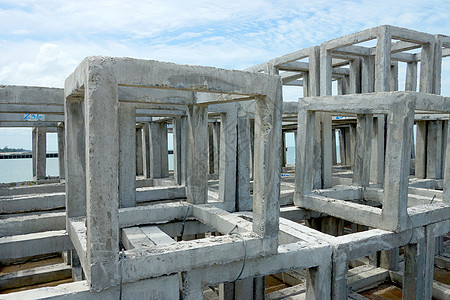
(367, 202)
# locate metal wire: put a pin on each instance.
(432, 199)
(184, 222)
(245, 252)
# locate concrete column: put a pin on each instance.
(243, 289)
(259, 285)
(34, 150)
(342, 146)
(398, 151)
(413, 276)
(164, 150)
(421, 144)
(368, 74)
(377, 156)
(61, 146)
(210, 148)
(322, 57)
(383, 60)
(318, 282)
(334, 145)
(102, 195)
(355, 76)
(227, 164)
(437, 68)
(127, 154)
(411, 76)
(430, 244)
(226, 291)
(156, 146)
(41, 152)
(339, 271)
(146, 149)
(243, 162)
(304, 146)
(394, 76)
(390, 259)
(446, 164)
(266, 188)
(306, 89)
(216, 146)
(361, 171)
(74, 159)
(197, 154)
(139, 158)
(251, 142)
(192, 288)
(434, 149)
(283, 150)
(179, 150)
(426, 69)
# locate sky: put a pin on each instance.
(42, 42)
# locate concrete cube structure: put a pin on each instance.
(96, 115)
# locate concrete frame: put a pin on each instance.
(400, 107)
(93, 90)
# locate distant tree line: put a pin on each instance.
(7, 149)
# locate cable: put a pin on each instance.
(245, 252)
(432, 199)
(412, 230)
(184, 222)
(122, 258)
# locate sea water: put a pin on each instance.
(21, 169)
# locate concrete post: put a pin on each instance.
(243, 162)
(426, 69)
(342, 146)
(333, 152)
(34, 150)
(226, 291)
(446, 164)
(411, 76)
(266, 189)
(398, 151)
(164, 150)
(430, 244)
(146, 149)
(437, 67)
(383, 60)
(61, 146)
(413, 277)
(320, 59)
(216, 145)
(434, 149)
(179, 150)
(139, 158)
(127, 154)
(394, 76)
(318, 282)
(367, 74)
(41, 152)
(211, 148)
(197, 154)
(361, 172)
(421, 144)
(227, 164)
(303, 154)
(355, 76)
(75, 158)
(156, 142)
(102, 169)
(377, 156)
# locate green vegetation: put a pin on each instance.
(7, 149)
